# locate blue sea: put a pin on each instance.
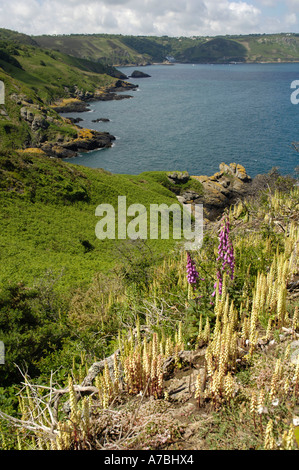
(193, 117)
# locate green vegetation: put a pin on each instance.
(35, 80)
(96, 47)
(216, 50)
(49, 248)
(141, 50)
(48, 217)
(51, 73)
(108, 343)
(161, 177)
(68, 300)
(271, 47)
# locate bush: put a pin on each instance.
(28, 329)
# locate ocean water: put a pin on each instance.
(193, 117)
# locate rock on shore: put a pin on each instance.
(87, 140)
(73, 106)
(80, 102)
(219, 190)
(138, 74)
(44, 123)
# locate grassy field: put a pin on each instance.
(48, 218)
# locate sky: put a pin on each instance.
(150, 17)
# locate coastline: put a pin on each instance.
(80, 103)
(113, 130)
(218, 191)
(87, 139)
(279, 61)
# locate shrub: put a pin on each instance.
(29, 330)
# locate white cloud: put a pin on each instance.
(232, 17)
(267, 3)
(171, 17)
(290, 19)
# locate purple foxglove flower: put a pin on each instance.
(192, 274)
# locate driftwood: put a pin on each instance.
(98, 367)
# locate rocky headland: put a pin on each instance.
(42, 120)
(219, 191)
(80, 101)
(100, 120)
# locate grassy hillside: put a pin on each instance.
(35, 79)
(51, 257)
(215, 50)
(16, 37)
(51, 73)
(96, 47)
(48, 218)
(141, 50)
(271, 47)
(124, 50)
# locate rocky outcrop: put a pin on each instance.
(101, 120)
(178, 177)
(39, 122)
(36, 117)
(60, 145)
(220, 190)
(121, 86)
(26, 114)
(92, 141)
(74, 106)
(75, 120)
(115, 92)
(21, 99)
(109, 96)
(80, 100)
(138, 74)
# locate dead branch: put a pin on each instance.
(30, 425)
(97, 368)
